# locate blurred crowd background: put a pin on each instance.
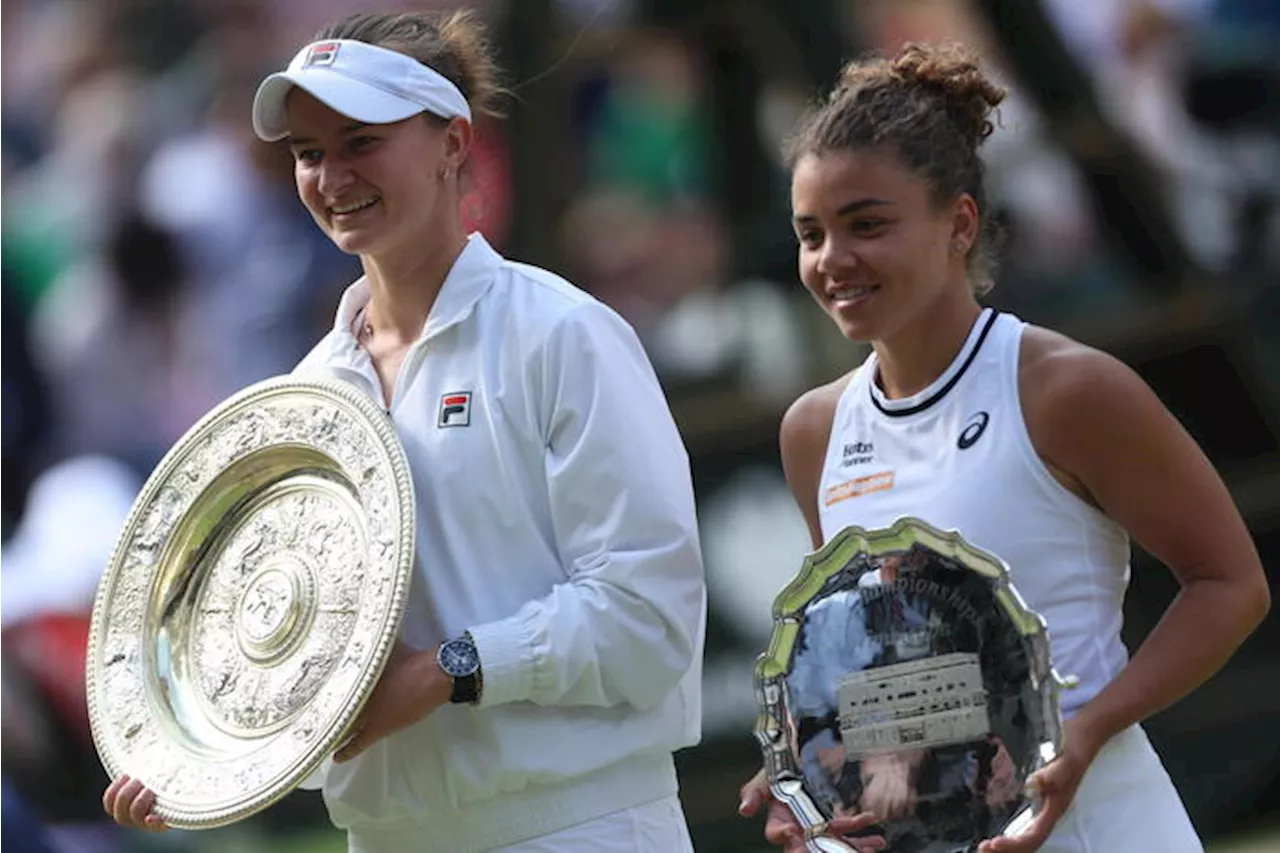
(156, 259)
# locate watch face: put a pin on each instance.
(458, 658)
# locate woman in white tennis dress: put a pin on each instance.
(1035, 447)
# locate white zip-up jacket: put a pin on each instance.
(556, 523)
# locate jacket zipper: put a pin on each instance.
(412, 361)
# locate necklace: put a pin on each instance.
(364, 331)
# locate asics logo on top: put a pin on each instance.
(973, 430)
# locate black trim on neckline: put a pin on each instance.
(941, 392)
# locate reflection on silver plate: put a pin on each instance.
(905, 676)
(252, 600)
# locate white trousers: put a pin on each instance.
(656, 827)
(1126, 803)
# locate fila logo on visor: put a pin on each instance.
(455, 409)
(323, 53)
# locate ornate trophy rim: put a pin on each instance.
(773, 665)
(188, 539)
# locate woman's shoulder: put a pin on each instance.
(543, 303)
(542, 326)
(1043, 348)
(1077, 400)
(1055, 370)
(807, 421)
(534, 287)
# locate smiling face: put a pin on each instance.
(374, 189)
(876, 251)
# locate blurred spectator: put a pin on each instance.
(650, 134)
(43, 570)
(84, 116)
(263, 278)
(49, 580)
(25, 411)
(644, 233)
(1232, 89)
(107, 337)
(20, 828)
(1140, 54)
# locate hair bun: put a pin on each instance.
(954, 72)
(928, 105)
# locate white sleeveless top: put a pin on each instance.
(958, 456)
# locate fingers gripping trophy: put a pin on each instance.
(253, 599)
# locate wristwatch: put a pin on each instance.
(460, 660)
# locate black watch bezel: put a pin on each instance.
(466, 681)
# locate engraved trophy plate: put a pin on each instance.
(253, 598)
(906, 653)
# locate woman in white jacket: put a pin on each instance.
(551, 654)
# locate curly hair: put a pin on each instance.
(933, 106)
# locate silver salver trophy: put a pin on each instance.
(254, 596)
(906, 653)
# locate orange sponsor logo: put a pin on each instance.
(858, 487)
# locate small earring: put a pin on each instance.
(443, 173)
(957, 248)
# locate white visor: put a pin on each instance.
(364, 82)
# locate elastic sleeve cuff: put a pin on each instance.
(506, 662)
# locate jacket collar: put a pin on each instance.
(470, 277)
